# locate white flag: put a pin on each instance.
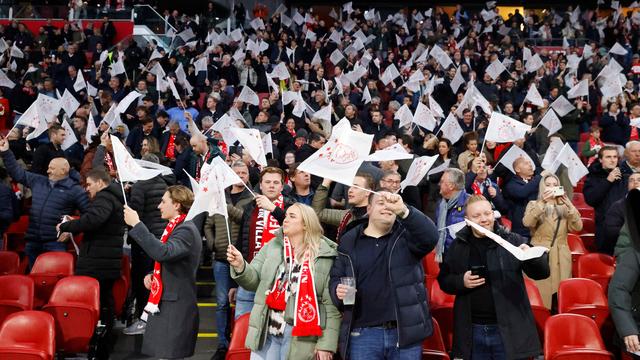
(340, 158)
(495, 69)
(618, 49)
(436, 109)
(395, 152)
(316, 59)
(155, 55)
(574, 165)
(91, 90)
(117, 68)
(267, 143)
(249, 96)
(71, 138)
(32, 116)
(581, 89)
(403, 115)
(451, 129)
(41, 127)
(390, 74)
(534, 63)
(552, 153)
(201, 64)
(69, 103)
(128, 169)
(551, 121)
(336, 57)
(423, 117)
(186, 35)
(512, 155)
(504, 129)
(562, 106)
(419, 168)
(49, 107)
(457, 81)
(126, 102)
(173, 88)
(533, 96)
(91, 128)
(281, 71)
(5, 81)
(336, 37)
(441, 57)
(366, 95)
(224, 126)
(210, 197)
(324, 113)
(79, 84)
(251, 141)
(15, 52)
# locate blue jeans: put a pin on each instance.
(374, 343)
(35, 248)
(223, 284)
(244, 301)
(487, 343)
(275, 348)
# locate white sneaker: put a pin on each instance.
(137, 328)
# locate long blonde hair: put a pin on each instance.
(549, 209)
(312, 232)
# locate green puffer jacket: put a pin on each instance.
(259, 277)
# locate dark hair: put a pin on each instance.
(469, 137)
(272, 170)
(606, 148)
(369, 181)
(99, 175)
(55, 128)
(315, 137)
(163, 114)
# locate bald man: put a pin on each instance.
(203, 152)
(54, 196)
(519, 190)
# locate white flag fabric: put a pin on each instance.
(342, 155)
(91, 90)
(249, 96)
(574, 165)
(226, 176)
(451, 129)
(41, 127)
(512, 155)
(635, 122)
(580, 89)
(504, 129)
(423, 117)
(366, 95)
(534, 97)
(15, 52)
(336, 37)
(69, 103)
(5, 81)
(126, 102)
(112, 117)
(210, 197)
(251, 141)
(324, 113)
(32, 116)
(403, 115)
(551, 121)
(419, 168)
(518, 253)
(618, 49)
(91, 128)
(457, 81)
(173, 88)
(441, 57)
(316, 59)
(395, 152)
(336, 57)
(534, 63)
(562, 106)
(281, 71)
(555, 146)
(128, 169)
(224, 126)
(79, 84)
(435, 108)
(186, 35)
(70, 137)
(201, 64)
(151, 165)
(49, 107)
(155, 55)
(267, 143)
(390, 74)
(495, 69)
(117, 68)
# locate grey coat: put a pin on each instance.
(172, 332)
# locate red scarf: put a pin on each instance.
(343, 224)
(592, 143)
(171, 147)
(476, 188)
(307, 319)
(156, 283)
(109, 161)
(265, 225)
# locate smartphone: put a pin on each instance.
(558, 191)
(479, 270)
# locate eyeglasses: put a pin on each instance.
(388, 181)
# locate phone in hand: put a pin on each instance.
(479, 270)
(558, 191)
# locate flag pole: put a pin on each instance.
(226, 223)
(124, 195)
(365, 189)
(252, 193)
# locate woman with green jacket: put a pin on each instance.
(293, 316)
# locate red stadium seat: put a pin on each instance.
(433, 347)
(579, 186)
(237, 350)
(540, 312)
(47, 270)
(583, 297)
(28, 335)
(121, 286)
(589, 241)
(506, 222)
(75, 306)
(442, 311)
(431, 270)
(578, 200)
(597, 267)
(588, 225)
(13, 238)
(586, 212)
(573, 337)
(9, 263)
(16, 294)
(577, 249)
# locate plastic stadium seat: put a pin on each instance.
(586, 212)
(431, 270)
(433, 347)
(589, 241)
(9, 262)
(442, 311)
(121, 286)
(583, 297)
(540, 312)
(573, 337)
(577, 249)
(16, 294)
(13, 238)
(47, 270)
(578, 200)
(237, 350)
(588, 225)
(597, 267)
(579, 187)
(27, 335)
(75, 306)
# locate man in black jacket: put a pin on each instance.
(606, 183)
(46, 152)
(390, 317)
(103, 227)
(492, 314)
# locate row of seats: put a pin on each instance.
(66, 323)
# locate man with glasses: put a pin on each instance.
(391, 180)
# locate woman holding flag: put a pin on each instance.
(171, 314)
(293, 316)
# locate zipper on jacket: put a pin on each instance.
(395, 308)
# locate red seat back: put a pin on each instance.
(9, 262)
(588, 225)
(569, 332)
(27, 335)
(583, 297)
(431, 270)
(598, 267)
(577, 249)
(586, 212)
(47, 270)
(439, 297)
(237, 350)
(540, 312)
(13, 238)
(16, 294)
(578, 199)
(75, 306)
(121, 286)
(433, 347)
(442, 310)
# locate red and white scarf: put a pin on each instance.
(171, 147)
(266, 224)
(307, 318)
(109, 161)
(155, 295)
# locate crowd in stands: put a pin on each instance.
(424, 82)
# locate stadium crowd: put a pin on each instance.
(481, 125)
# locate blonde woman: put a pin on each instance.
(551, 218)
(293, 316)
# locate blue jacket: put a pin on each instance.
(615, 129)
(413, 238)
(50, 201)
(519, 194)
(454, 216)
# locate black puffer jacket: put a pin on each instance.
(103, 227)
(513, 310)
(145, 197)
